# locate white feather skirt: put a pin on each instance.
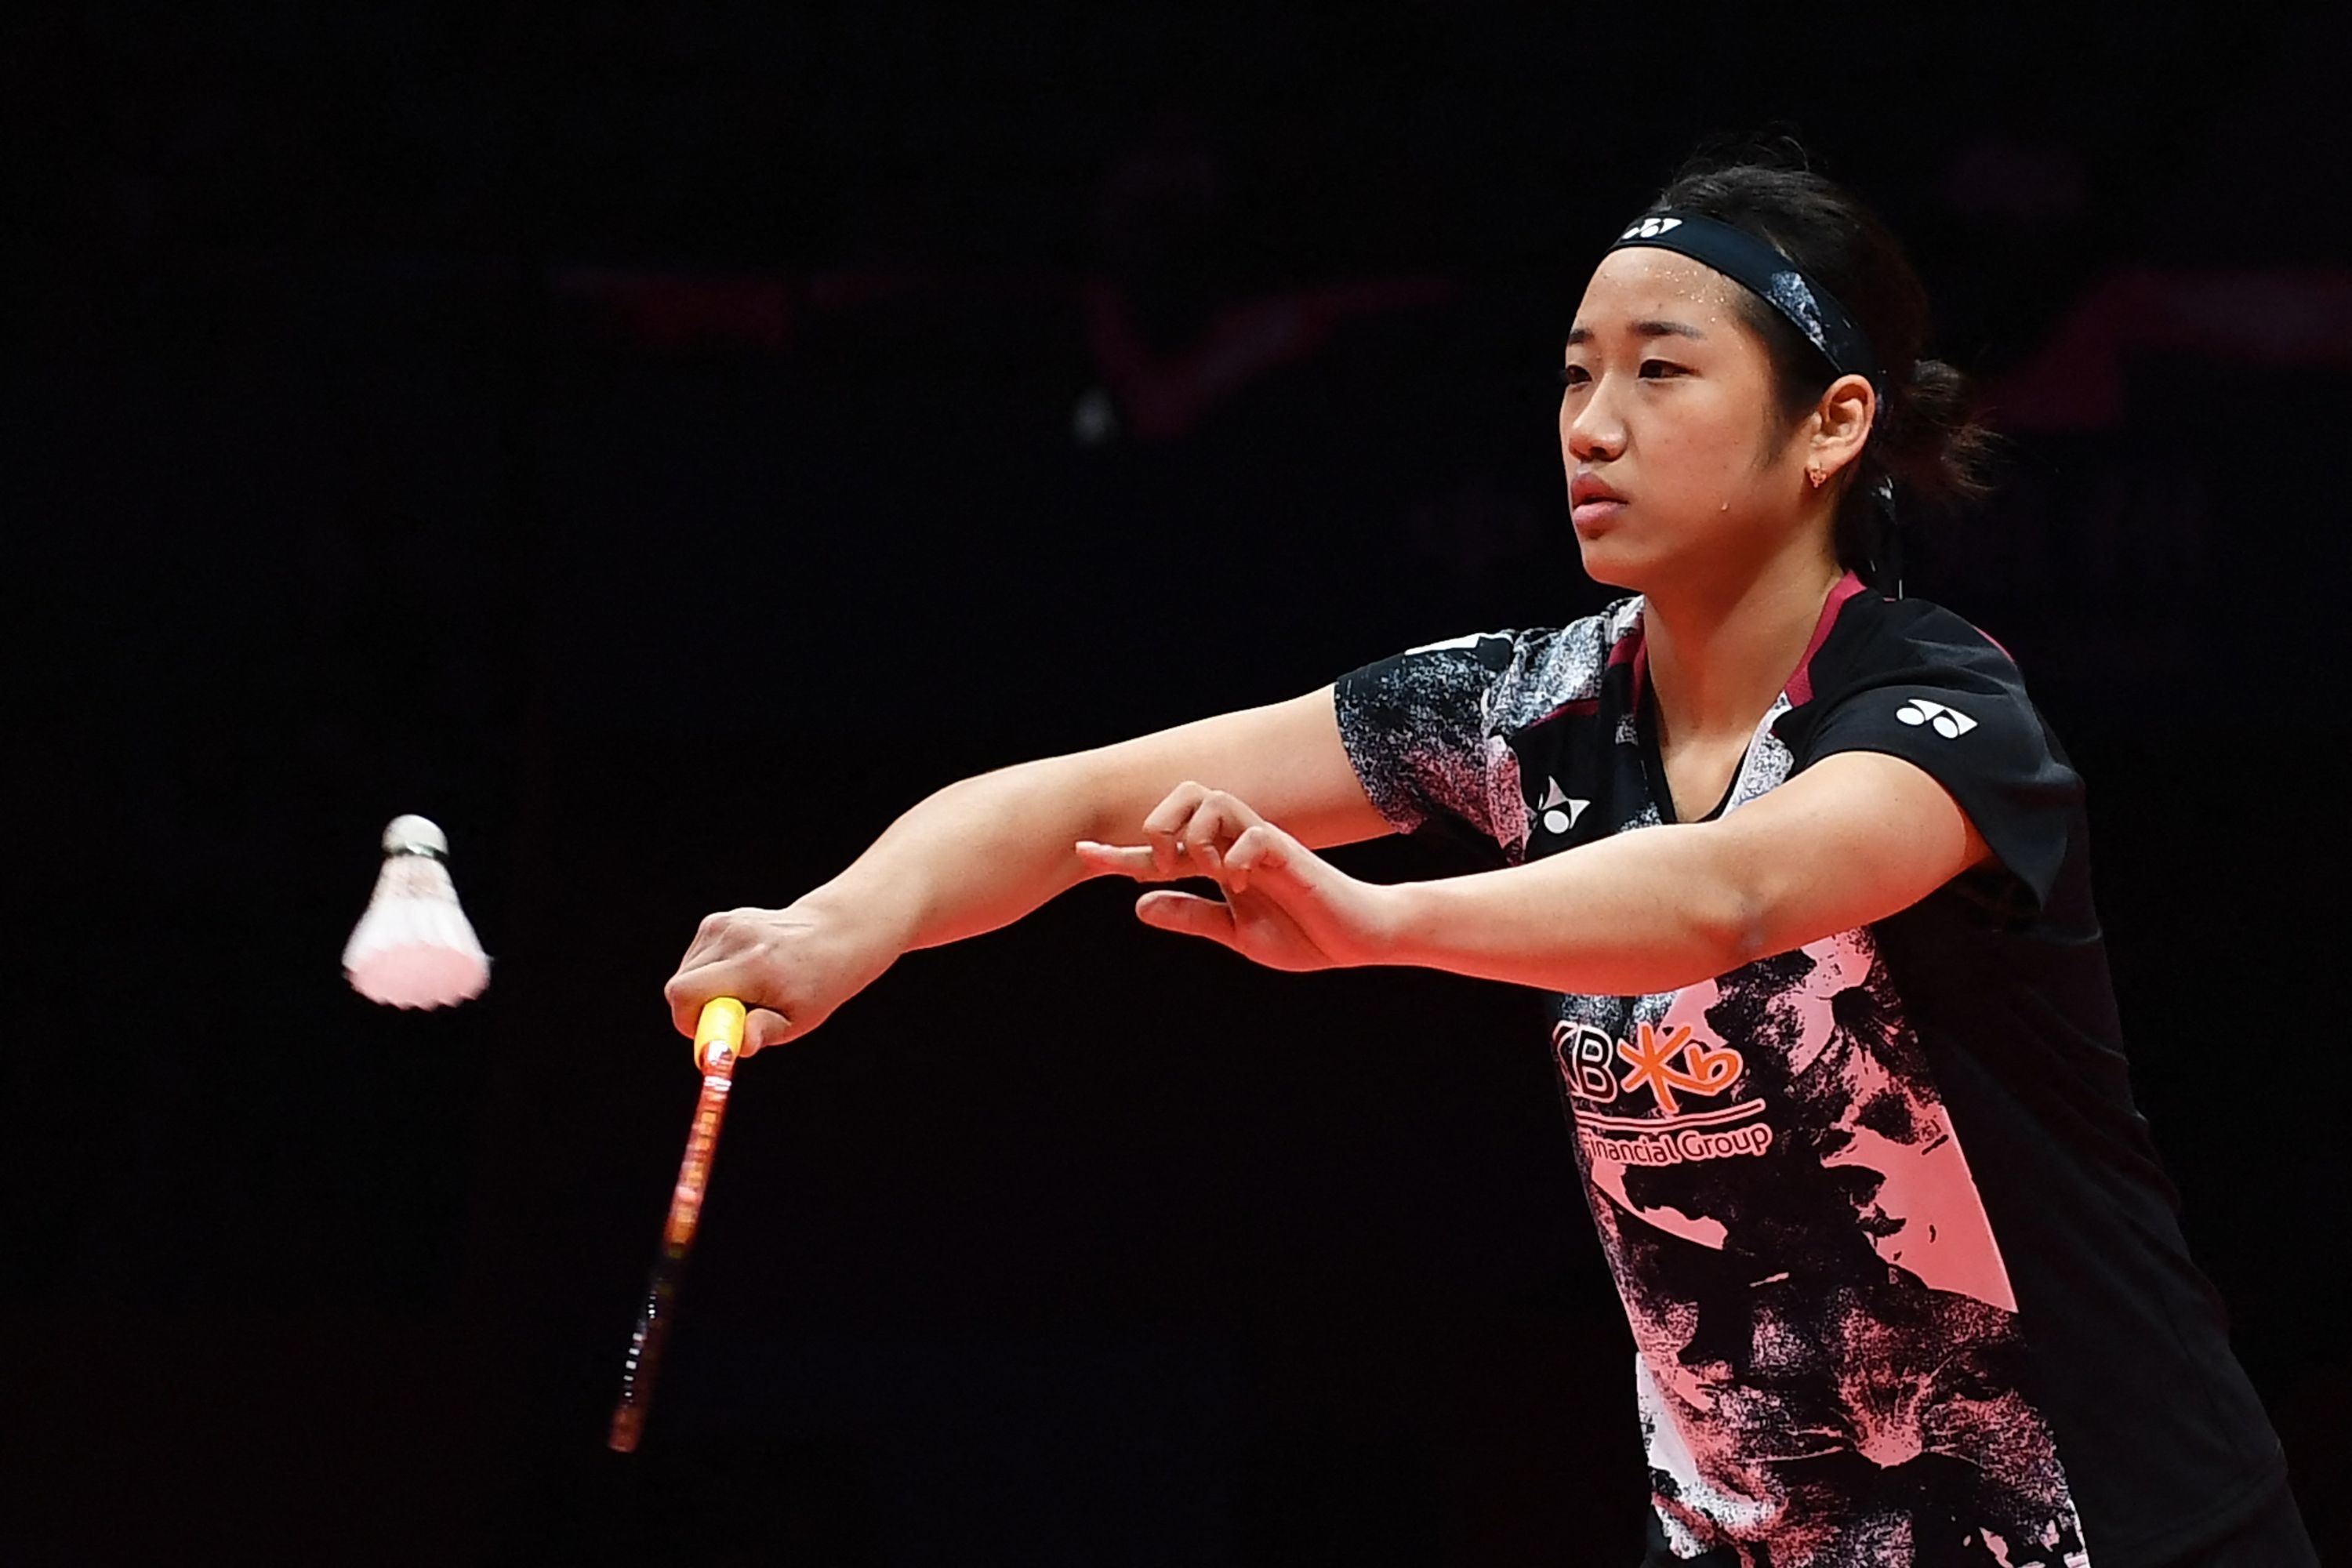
(415, 948)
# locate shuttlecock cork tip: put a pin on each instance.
(413, 835)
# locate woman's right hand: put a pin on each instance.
(790, 967)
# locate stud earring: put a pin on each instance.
(1816, 476)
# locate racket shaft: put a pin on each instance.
(686, 1199)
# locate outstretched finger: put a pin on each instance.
(1138, 860)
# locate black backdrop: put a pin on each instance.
(663, 443)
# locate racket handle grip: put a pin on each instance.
(721, 1024)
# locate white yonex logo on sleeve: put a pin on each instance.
(1949, 722)
(1560, 813)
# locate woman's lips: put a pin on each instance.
(1590, 502)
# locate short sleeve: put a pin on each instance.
(1415, 727)
(1960, 714)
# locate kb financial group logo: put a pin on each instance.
(1672, 1069)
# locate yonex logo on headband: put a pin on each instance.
(1650, 227)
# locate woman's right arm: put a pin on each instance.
(983, 852)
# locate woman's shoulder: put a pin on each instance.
(1547, 668)
(1497, 682)
(1603, 630)
(1879, 639)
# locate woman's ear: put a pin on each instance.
(1842, 423)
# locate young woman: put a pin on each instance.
(1808, 877)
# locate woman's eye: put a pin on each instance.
(1656, 369)
(1574, 375)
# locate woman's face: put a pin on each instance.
(1669, 426)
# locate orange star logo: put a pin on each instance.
(1702, 1071)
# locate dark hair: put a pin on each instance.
(1925, 439)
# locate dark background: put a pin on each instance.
(664, 442)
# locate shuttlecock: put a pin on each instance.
(413, 947)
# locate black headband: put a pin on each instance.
(1755, 265)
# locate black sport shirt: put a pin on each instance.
(1905, 1280)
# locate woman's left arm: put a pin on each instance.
(1854, 839)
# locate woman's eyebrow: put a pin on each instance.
(1651, 328)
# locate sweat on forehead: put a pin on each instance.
(1639, 290)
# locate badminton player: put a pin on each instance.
(1806, 875)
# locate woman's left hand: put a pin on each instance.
(1285, 906)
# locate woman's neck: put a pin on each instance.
(1719, 653)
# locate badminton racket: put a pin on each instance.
(717, 1041)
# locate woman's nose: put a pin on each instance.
(1592, 432)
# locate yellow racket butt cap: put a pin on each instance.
(721, 1024)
